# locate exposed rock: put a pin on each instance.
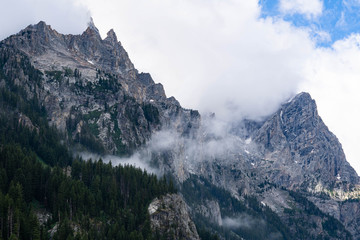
(211, 211)
(303, 149)
(170, 218)
(92, 84)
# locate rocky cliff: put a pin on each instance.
(305, 153)
(91, 90)
(170, 219)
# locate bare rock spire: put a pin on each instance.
(92, 26)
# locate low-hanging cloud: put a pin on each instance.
(66, 16)
(135, 160)
(243, 221)
(217, 56)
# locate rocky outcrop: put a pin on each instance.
(170, 218)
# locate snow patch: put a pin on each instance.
(248, 141)
(247, 151)
(290, 100)
(90, 62)
(253, 164)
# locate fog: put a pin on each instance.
(135, 160)
(243, 221)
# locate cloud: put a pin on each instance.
(135, 160)
(66, 16)
(213, 55)
(333, 80)
(243, 221)
(309, 8)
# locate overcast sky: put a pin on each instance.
(237, 58)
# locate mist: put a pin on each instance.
(135, 160)
(243, 221)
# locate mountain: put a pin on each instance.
(91, 90)
(284, 177)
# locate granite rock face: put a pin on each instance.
(296, 136)
(91, 90)
(170, 218)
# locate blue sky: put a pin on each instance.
(338, 18)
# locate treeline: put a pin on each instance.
(98, 199)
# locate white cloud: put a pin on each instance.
(334, 82)
(66, 16)
(135, 160)
(212, 55)
(243, 221)
(309, 8)
(342, 21)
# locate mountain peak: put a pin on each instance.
(111, 36)
(303, 96)
(40, 26)
(92, 28)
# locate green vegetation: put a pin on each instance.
(151, 113)
(114, 199)
(332, 226)
(55, 75)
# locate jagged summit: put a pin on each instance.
(111, 37)
(297, 138)
(91, 25)
(46, 47)
(85, 71)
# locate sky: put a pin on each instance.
(237, 58)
